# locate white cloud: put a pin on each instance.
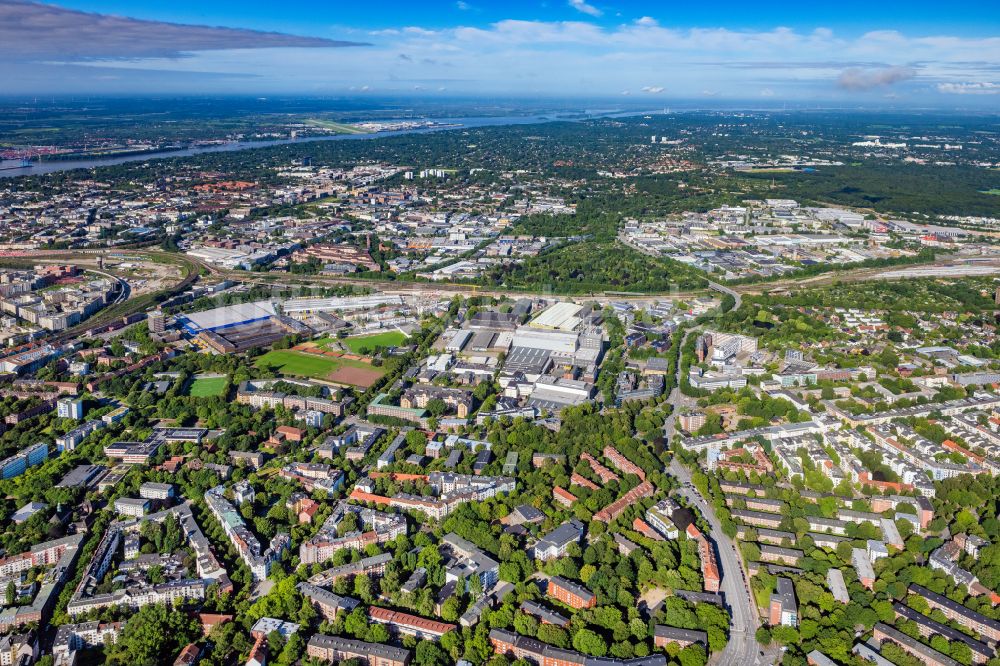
(585, 7)
(34, 31)
(583, 58)
(973, 88)
(859, 79)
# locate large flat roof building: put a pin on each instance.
(226, 316)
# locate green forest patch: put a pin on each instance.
(892, 188)
(588, 267)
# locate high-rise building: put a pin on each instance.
(70, 408)
(157, 322)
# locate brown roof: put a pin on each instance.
(188, 655)
(565, 494)
(406, 620)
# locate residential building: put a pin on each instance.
(555, 543)
(784, 609)
(570, 593)
(337, 649)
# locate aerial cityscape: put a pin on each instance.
(479, 334)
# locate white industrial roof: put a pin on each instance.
(560, 315)
(231, 314)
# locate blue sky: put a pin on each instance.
(843, 53)
(311, 16)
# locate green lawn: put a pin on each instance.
(995, 191)
(208, 387)
(296, 363)
(307, 365)
(387, 339)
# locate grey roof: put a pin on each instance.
(923, 652)
(823, 536)
(838, 588)
(778, 550)
(538, 652)
(817, 658)
(944, 630)
(827, 522)
(131, 501)
(528, 360)
(763, 532)
(561, 536)
(389, 455)
(478, 560)
(700, 597)
(785, 593)
(80, 475)
(870, 653)
(360, 647)
(326, 597)
(678, 634)
(955, 607)
(353, 567)
(544, 614)
(528, 513)
(760, 515)
(863, 565)
(572, 587)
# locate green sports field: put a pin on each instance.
(298, 364)
(387, 339)
(207, 387)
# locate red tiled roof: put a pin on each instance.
(387, 616)
(565, 494)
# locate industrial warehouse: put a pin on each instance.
(237, 328)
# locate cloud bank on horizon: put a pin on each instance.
(592, 52)
(30, 30)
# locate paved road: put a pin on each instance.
(125, 291)
(676, 399)
(714, 286)
(742, 649)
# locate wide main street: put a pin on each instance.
(742, 647)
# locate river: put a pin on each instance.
(10, 168)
